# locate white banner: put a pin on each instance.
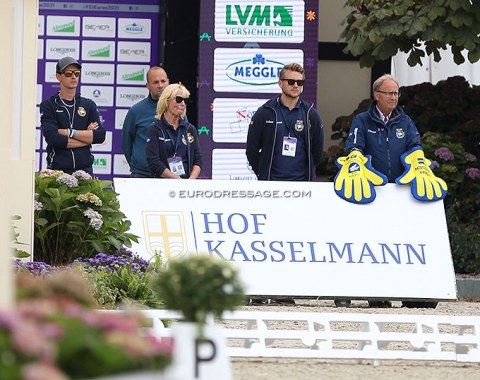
(298, 238)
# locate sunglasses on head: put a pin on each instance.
(69, 73)
(179, 99)
(291, 82)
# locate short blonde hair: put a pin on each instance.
(296, 67)
(168, 93)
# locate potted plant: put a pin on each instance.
(199, 286)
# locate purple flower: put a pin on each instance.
(82, 174)
(473, 173)
(34, 267)
(445, 154)
(435, 164)
(68, 180)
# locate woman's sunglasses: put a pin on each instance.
(179, 99)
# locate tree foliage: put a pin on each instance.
(377, 29)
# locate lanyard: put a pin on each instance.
(285, 117)
(177, 138)
(67, 106)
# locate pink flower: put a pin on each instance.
(473, 173)
(445, 154)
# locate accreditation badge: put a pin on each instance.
(176, 165)
(289, 146)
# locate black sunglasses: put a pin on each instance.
(291, 82)
(179, 99)
(69, 73)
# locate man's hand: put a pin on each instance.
(93, 125)
(356, 179)
(425, 185)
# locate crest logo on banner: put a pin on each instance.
(165, 233)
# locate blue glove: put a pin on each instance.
(356, 179)
(425, 185)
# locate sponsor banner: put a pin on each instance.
(128, 96)
(106, 146)
(231, 118)
(98, 73)
(101, 95)
(120, 165)
(251, 70)
(231, 164)
(102, 163)
(98, 50)
(135, 28)
(40, 46)
(37, 116)
(98, 27)
(133, 51)
(120, 114)
(132, 74)
(37, 161)
(41, 25)
(38, 138)
(39, 93)
(51, 72)
(308, 240)
(63, 26)
(249, 42)
(59, 48)
(280, 22)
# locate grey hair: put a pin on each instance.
(378, 83)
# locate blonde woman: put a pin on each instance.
(172, 145)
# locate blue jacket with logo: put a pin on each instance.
(156, 150)
(262, 133)
(55, 115)
(385, 143)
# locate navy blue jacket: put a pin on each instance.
(54, 115)
(262, 133)
(385, 143)
(156, 150)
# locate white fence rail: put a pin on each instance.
(342, 336)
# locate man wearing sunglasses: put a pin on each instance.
(285, 136)
(70, 123)
(285, 140)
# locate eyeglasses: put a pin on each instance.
(179, 99)
(69, 73)
(390, 94)
(291, 82)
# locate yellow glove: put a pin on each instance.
(425, 185)
(356, 178)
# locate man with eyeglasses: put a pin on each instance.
(285, 140)
(70, 123)
(139, 118)
(384, 132)
(285, 136)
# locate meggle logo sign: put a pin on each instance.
(134, 28)
(259, 21)
(251, 70)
